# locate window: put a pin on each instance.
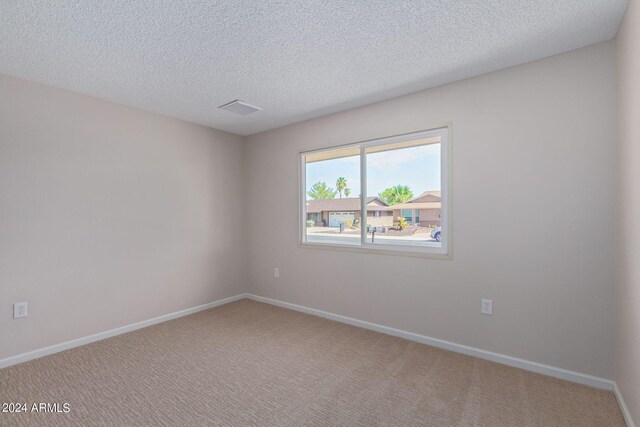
(405, 182)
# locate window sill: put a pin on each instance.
(380, 251)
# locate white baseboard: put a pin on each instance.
(24, 357)
(623, 406)
(551, 371)
(564, 374)
(539, 368)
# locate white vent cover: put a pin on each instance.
(240, 107)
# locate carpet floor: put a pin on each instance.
(248, 363)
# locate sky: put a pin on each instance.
(417, 167)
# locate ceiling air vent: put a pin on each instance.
(240, 107)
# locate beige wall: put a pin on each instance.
(430, 216)
(627, 348)
(384, 220)
(427, 216)
(546, 129)
(109, 215)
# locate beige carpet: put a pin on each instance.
(248, 363)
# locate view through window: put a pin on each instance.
(333, 197)
(404, 180)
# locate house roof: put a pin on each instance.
(436, 193)
(416, 202)
(418, 205)
(347, 204)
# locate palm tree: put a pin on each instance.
(347, 191)
(396, 194)
(320, 190)
(341, 184)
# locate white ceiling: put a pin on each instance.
(295, 59)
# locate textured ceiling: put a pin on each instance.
(295, 59)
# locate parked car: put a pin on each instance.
(436, 233)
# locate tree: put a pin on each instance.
(319, 190)
(347, 191)
(396, 194)
(341, 184)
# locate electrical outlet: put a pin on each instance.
(19, 310)
(276, 272)
(487, 306)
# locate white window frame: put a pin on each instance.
(443, 252)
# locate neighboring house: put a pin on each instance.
(332, 212)
(423, 210)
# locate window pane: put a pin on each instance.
(332, 188)
(405, 179)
